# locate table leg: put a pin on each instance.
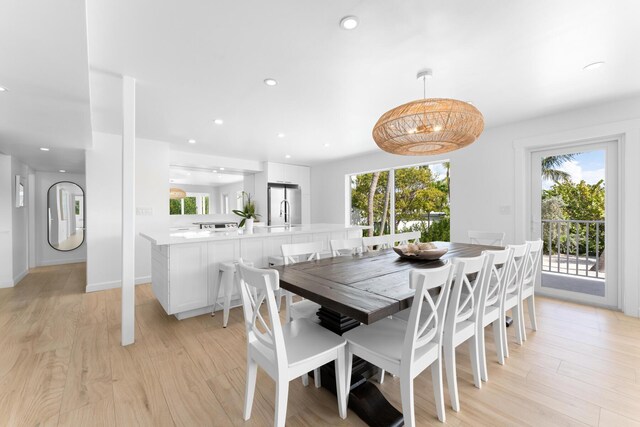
(364, 399)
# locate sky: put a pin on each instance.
(587, 166)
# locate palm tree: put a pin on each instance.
(550, 165)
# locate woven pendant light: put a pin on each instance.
(176, 194)
(428, 126)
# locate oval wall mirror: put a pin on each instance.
(65, 208)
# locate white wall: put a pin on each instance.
(45, 254)
(104, 206)
(6, 229)
(482, 179)
(20, 222)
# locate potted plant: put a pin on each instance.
(248, 212)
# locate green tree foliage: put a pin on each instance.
(574, 201)
(551, 164)
(417, 195)
(581, 201)
(174, 207)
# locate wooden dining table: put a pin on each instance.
(357, 289)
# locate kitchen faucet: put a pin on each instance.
(287, 208)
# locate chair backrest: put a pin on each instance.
(496, 272)
(382, 242)
(532, 264)
(258, 286)
(347, 246)
(291, 252)
(421, 330)
(487, 238)
(404, 238)
(515, 275)
(465, 295)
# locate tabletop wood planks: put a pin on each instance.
(366, 287)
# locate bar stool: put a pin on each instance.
(227, 277)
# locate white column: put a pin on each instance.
(128, 208)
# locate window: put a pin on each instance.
(414, 198)
(193, 204)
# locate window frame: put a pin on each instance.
(392, 182)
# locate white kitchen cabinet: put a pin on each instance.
(184, 273)
(189, 277)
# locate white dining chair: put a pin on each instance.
(461, 321)
(486, 238)
(304, 309)
(404, 238)
(497, 267)
(531, 270)
(407, 348)
(511, 294)
(284, 352)
(347, 246)
(293, 253)
(382, 242)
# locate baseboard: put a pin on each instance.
(103, 286)
(19, 277)
(60, 262)
(6, 284)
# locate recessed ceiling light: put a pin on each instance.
(214, 171)
(327, 145)
(188, 173)
(221, 169)
(44, 149)
(62, 171)
(218, 121)
(349, 22)
(287, 156)
(593, 66)
(191, 141)
(3, 89)
(281, 135)
(270, 82)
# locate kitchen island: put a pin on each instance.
(185, 265)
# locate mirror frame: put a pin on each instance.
(84, 212)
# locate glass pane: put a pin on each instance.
(174, 207)
(370, 202)
(573, 222)
(65, 225)
(206, 205)
(190, 207)
(422, 201)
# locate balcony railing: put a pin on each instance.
(574, 247)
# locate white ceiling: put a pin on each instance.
(44, 64)
(198, 60)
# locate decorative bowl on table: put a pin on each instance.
(420, 251)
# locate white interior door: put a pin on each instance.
(570, 265)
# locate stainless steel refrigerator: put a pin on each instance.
(285, 204)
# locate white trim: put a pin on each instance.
(61, 262)
(19, 277)
(114, 284)
(627, 135)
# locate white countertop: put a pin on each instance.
(170, 238)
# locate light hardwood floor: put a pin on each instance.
(61, 364)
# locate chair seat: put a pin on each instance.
(510, 301)
(305, 309)
(304, 339)
(385, 338)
